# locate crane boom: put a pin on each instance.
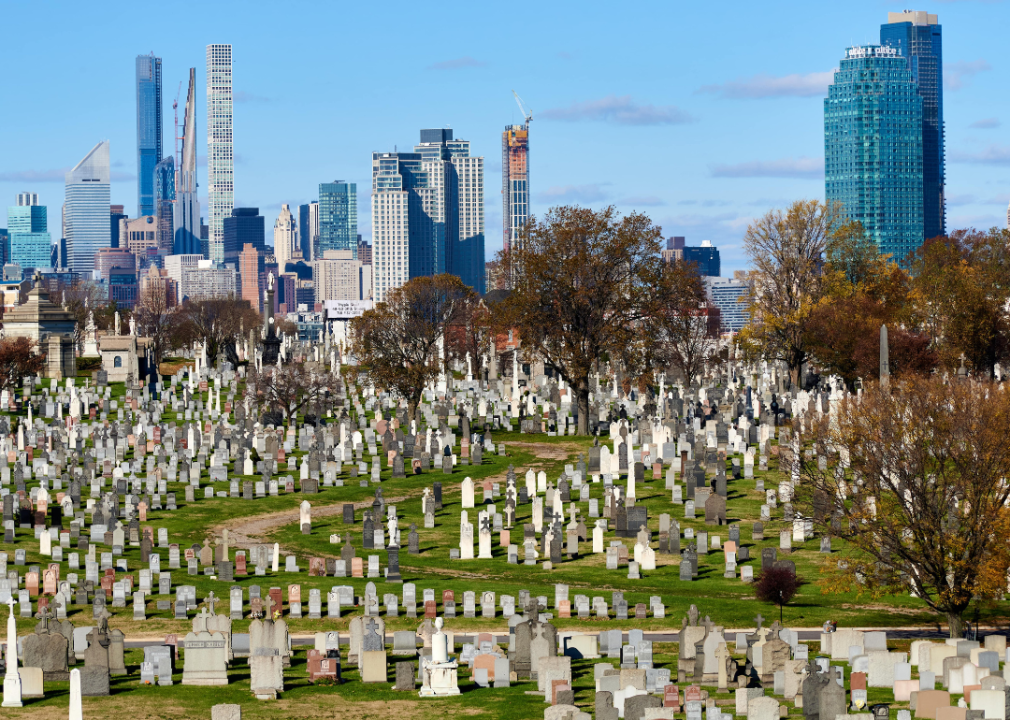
(527, 114)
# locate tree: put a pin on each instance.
(920, 497)
(961, 296)
(157, 320)
(688, 330)
(587, 287)
(398, 340)
(18, 360)
(777, 585)
(218, 322)
(787, 250)
(291, 388)
(861, 291)
(470, 333)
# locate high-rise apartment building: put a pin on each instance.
(187, 206)
(286, 246)
(87, 209)
(918, 37)
(149, 131)
(428, 213)
(30, 245)
(250, 264)
(732, 298)
(873, 147)
(308, 229)
(515, 150)
(164, 204)
(220, 147)
(339, 276)
(337, 218)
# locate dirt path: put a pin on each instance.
(248, 531)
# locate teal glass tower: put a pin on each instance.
(30, 244)
(338, 217)
(918, 37)
(873, 147)
(149, 131)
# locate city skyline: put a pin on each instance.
(737, 135)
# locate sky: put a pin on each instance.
(702, 116)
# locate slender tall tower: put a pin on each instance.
(220, 150)
(149, 130)
(187, 205)
(515, 150)
(286, 248)
(86, 213)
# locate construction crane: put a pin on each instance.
(527, 114)
(175, 109)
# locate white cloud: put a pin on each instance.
(592, 192)
(992, 155)
(621, 110)
(768, 86)
(802, 167)
(956, 75)
(456, 63)
(985, 124)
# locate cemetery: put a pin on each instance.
(172, 550)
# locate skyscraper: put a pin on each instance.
(164, 204)
(30, 244)
(149, 135)
(873, 147)
(286, 248)
(244, 227)
(308, 230)
(428, 212)
(337, 218)
(187, 205)
(220, 151)
(918, 37)
(87, 209)
(251, 275)
(515, 186)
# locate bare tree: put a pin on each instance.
(78, 298)
(219, 323)
(398, 340)
(158, 320)
(919, 492)
(292, 388)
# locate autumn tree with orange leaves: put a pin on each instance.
(918, 492)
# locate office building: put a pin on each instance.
(164, 204)
(731, 297)
(206, 281)
(918, 37)
(138, 236)
(29, 242)
(155, 281)
(116, 213)
(705, 257)
(149, 131)
(5, 245)
(338, 217)
(873, 147)
(286, 245)
(515, 150)
(87, 210)
(220, 150)
(176, 265)
(338, 276)
(186, 220)
(244, 227)
(123, 287)
(364, 251)
(308, 229)
(108, 258)
(427, 213)
(251, 262)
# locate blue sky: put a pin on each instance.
(703, 116)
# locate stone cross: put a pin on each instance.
(722, 656)
(758, 621)
(210, 601)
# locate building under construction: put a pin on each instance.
(515, 145)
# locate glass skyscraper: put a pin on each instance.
(186, 213)
(164, 203)
(873, 147)
(220, 146)
(515, 150)
(149, 135)
(87, 209)
(338, 219)
(30, 244)
(918, 37)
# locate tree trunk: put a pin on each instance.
(582, 391)
(956, 624)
